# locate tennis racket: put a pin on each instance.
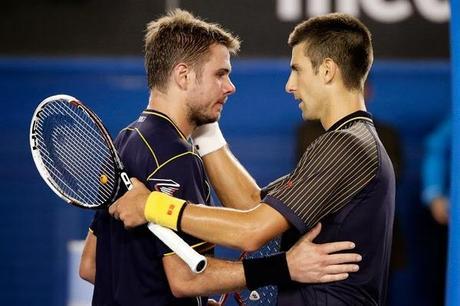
(77, 159)
(267, 295)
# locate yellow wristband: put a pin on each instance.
(163, 209)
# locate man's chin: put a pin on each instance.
(309, 116)
(306, 117)
(204, 121)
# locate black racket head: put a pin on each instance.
(74, 153)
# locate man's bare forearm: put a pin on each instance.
(220, 276)
(245, 230)
(233, 184)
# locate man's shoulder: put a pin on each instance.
(158, 139)
(359, 135)
(340, 138)
(345, 145)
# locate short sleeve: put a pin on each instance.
(272, 186)
(332, 170)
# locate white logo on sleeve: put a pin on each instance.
(167, 186)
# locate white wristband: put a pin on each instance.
(208, 138)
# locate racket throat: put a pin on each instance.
(126, 180)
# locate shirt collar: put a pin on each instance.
(358, 115)
(166, 117)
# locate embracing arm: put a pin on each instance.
(219, 276)
(246, 230)
(233, 184)
(306, 262)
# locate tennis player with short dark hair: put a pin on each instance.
(188, 67)
(345, 178)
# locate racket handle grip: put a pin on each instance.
(192, 258)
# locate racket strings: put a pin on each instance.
(64, 185)
(98, 151)
(86, 129)
(75, 112)
(57, 173)
(72, 153)
(76, 153)
(76, 150)
(75, 176)
(82, 155)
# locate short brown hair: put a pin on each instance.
(181, 37)
(341, 37)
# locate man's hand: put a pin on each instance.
(130, 207)
(440, 210)
(313, 263)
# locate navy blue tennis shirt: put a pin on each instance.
(129, 269)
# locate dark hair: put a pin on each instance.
(181, 37)
(341, 37)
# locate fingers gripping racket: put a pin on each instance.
(77, 159)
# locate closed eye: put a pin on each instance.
(223, 72)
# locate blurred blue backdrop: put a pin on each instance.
(259, 122)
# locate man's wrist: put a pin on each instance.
(164, 210)
(208, 138)
(269, 270)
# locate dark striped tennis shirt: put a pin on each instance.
(345, 180)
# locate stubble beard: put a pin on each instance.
(199, 116)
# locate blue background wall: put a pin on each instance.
(259, 122)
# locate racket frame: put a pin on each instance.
(193, 259)
(119, 169)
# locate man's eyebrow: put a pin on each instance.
(225, 70)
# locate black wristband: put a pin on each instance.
(270, 270)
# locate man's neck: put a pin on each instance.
(342, 104)
(173, 107)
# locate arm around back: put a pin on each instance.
(246, 230)
(307, 262)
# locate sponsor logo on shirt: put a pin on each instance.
(167, 186)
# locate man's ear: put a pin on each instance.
(328, 70)
(181, 75)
